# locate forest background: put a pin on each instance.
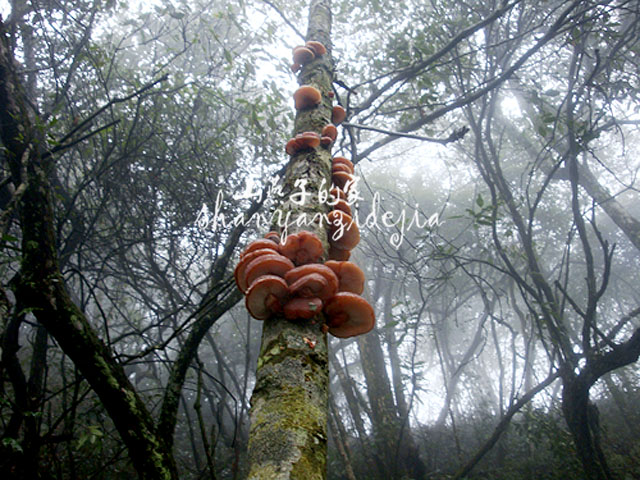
(507, 335)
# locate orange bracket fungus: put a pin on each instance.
(307, 96)
(318, 48)
(330, 131)
(350, 277)
(267, 295)
(345, 234)
(348, 315)
(302, 55)
(284, 277)
(273, 236)
(240, 271)
(343, 161)
(302, 141)
(338, 115)
(337, 254)
(267, 265)
(302, 247)
(292, 276)
(311, 285)
(304, 308)
(260, 244)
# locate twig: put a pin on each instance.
(60, 148)
(455, 135)
(82, 125)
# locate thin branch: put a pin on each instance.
(82, 125)
(455, 135)
(284, 18)
(60, 148)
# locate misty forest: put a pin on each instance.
(319, 239)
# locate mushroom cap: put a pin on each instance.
(338, 114)
(240, 271)
(343, 225)
(330, 130)
(339, 255)
(326, 141)
(311, 285)
(308, 140)
(348, 315)
(273, 236)
(306, 96)
(342, 180)
(318, 48)
(258, 244)
(295, 68)
(304, 308)
(266, 296)
(292, 146)
(341, 167)
(344, 206)
(350, 277)
(303, 55)
(295, 274)
(267, 265)
(337, 194)
(302, 247)
(342, 161)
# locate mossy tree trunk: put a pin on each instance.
(289, 405)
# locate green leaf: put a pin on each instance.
(12, 443)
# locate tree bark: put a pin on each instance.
(289, 405)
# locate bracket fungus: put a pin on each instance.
(267, 265)
(338, 114)
(302, 247)
(311, 285)
(302, 141)
(304, 308)
(337, 254)
(343, 161)
(350, 276)
(267, 295)
(348, 315)
(260, 244)
(344, 232)
(292, 276)
(240, 271)
(330, 131)
(318, 48)
(307, 96)
(303, 55)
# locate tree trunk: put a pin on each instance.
(289, 405)
(582, 419)
(396, 452)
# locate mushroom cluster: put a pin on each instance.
(344, 234)
(303, 54)
(286, 278)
